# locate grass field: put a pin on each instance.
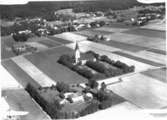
(124, 46)
(21, 101)
(47, 62)
(70, 37)
(49, 43)
(158, 51)
(148, 33)
(143, 91)
(59, 40)
(22, 77)
(159, 58)
(6, 43)
(138, 59)
(159, 74)
(110, 29)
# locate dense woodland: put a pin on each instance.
(44, 9)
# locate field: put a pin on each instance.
(138, 59)
(20, 100)
(70, 37)
(159, 74)
(59, 40)
(145, 49)
(131, 39)
(6, 43)
(21, 76)
(50, 43)
(47, 63)
(41, 43)
(148, 33)
(143, 91)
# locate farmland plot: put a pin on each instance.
(159, 74)
(6, 44)
(71, 37)
(49, 43)
(41, 78)
(147, 55)
(21, 76)
(20, 100)
(111, 29)
(59, 40)
(143, 60)
(143, 91)
(47, 62)
(148, 33)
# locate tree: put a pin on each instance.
(62, 87)
(92, 84)
(103, 86)
(20, 37)
(102, 95)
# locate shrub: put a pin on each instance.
(105, 104)
(92, 84)
(96, 66)
(61, 95)
(62, 87)
(102, 95)
(91, 108)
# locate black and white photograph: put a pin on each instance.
(83, 60)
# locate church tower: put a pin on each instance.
(77, 53)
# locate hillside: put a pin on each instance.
(41, 8)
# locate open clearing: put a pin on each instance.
(41, 78)
(70, 37)
(145, 55)
(59, 40)
(47, 63)
(155, 25)
(148, 33)
(124, 46)
(21, 101)
(111, 29)
(159, 74)
(142, 91)
(138, 59)
(21, 76)
(50, 43)
(6, 43)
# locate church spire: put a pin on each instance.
(77, 53)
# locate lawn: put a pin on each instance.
(21, 101)
(159, 74)
(47, 62)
